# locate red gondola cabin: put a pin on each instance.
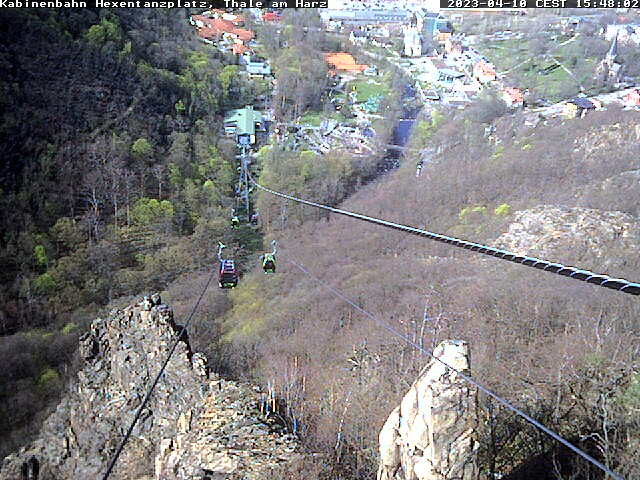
(228, 278)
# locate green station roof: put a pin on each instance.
(245, 120)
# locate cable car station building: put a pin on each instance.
(244, 123)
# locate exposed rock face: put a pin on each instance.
(606, 140)
(545, 231)
(429, 435)
(192, 427)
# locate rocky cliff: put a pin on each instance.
(548, 231)
(429, 436)
(195, 425)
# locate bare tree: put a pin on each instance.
(160, 172)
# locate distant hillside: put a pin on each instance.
(561, 350)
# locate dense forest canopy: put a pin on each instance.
(89, 107)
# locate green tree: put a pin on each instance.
(227, 77)
(45, 284)
(141, 149)
(106, 31)
(152, 222)
(302, 80)
(200, 80)
(40, 256)
(47, 379)
(502, 209)
(66, 233)
(149, 211)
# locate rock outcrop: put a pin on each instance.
(195, 425)
(429, 435)
(604, 141)
(548, 231)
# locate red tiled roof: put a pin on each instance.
(240, 48)
(213, 27)
(514, 95)
(271, 17)
(217, 24)
(633, 98)
(206, 32)
(242, 33)
(482, 69)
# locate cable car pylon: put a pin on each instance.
(243, 204)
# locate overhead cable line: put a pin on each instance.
(601, 280)
(146, 398)
(462, 375)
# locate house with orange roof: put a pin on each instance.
(198, 20)
(443, 34)
(343, 61)
(242, 34)
(240, 48)
(484, 72)
(271, 17)
(208, 34)
(220, 26)
(513, 97)
(208, 27)
(632, 99)
(208, 20)
(235, 18)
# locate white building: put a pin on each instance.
(412, 42)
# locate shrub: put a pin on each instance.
(464, 213)
(45, 284)
(47, 379)
(479, 209)
(502, 209)
(498, 152)
(68, 328)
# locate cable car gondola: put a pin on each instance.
(227, 275)
(269, 260)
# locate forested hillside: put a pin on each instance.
(117, 179)
(563, 351)
(114, 179)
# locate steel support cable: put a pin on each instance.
(147, 396)
(462, 375)
(619, 284)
